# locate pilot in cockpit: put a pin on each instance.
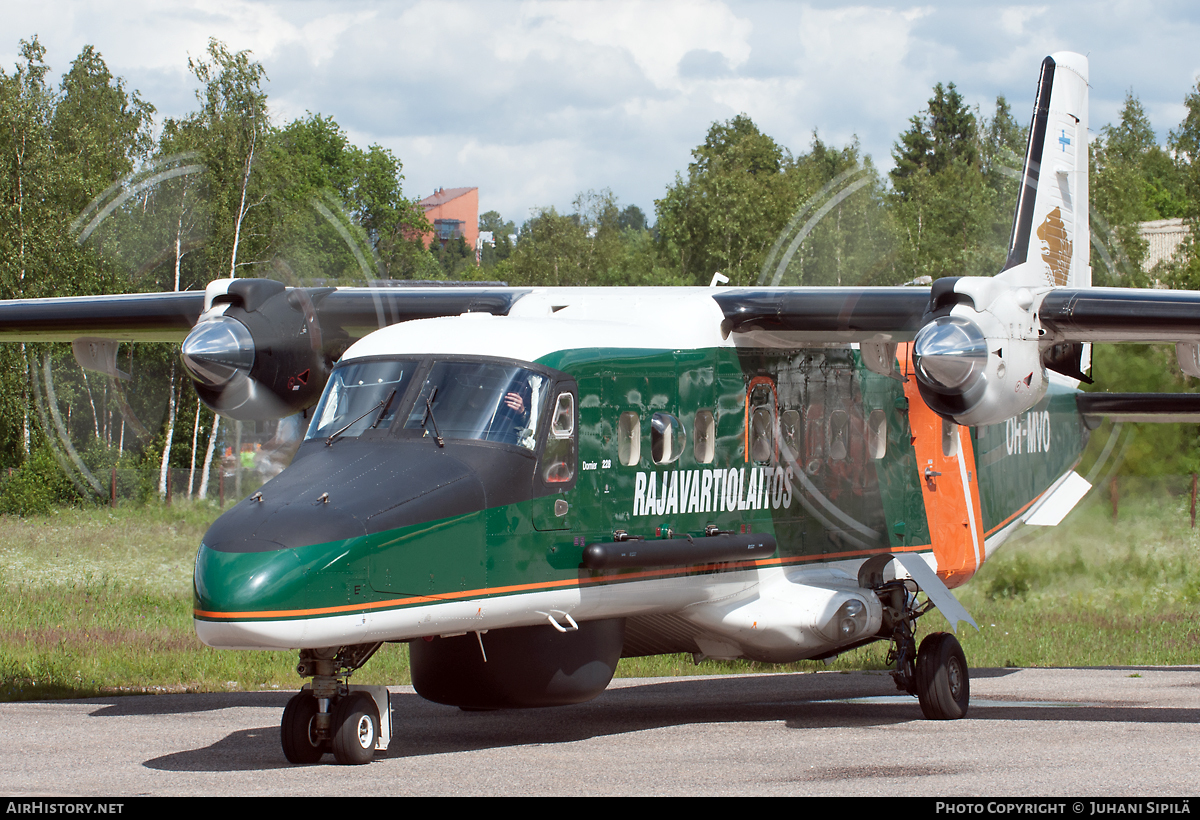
(516, 417)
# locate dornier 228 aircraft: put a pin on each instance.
(528, 484)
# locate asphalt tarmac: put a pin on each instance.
(1029, 732)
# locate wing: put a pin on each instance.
(254, 348)
(981, 349)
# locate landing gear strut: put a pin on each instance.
(937, 674)
(329, 716)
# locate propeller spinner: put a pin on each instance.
(256, 352)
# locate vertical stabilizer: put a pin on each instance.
(1050, 235)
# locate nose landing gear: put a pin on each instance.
(330, 716)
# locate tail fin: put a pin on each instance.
(1050, 234)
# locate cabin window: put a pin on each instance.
(704, 447)
(762, 436)
(629, 439)
(791, 434)
(761, 394)
(558, 459)
(877, 434)
(839, 435)
(760, 432)
(667, 438)
(360, 397)
(814, 439)
(483, 401)
(949, 439)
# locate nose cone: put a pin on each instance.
(950, 353)
(217, 350)
(352, 528)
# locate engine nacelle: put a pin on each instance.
(978, 358)
(257, 351)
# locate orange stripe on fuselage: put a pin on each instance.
(950, 530)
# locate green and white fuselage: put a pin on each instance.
(677, 429)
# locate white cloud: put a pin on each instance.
(656, 35)
(535, 101)
(1014, 20)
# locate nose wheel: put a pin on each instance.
(351, 729)
(355, 729)
(301, 736)
(330, 716)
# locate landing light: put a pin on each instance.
(851, 618)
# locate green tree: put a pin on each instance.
(58, 149)
(586, 247)
(726, 214)
(632, 218)
(840, 232)
(501, 247)
(99, 128)
(1184, 143)
(28, 173)
(229, 130)
(945, 133)
(1133, 180)
(324, 188)
(952, 199)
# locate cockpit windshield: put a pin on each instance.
(361, 397)
(484, 401)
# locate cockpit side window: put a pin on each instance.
(481, 401)
(558, 458)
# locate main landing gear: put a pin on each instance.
(937, 674)
(330, 716)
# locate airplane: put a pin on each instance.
(528, 484)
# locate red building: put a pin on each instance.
(454, 212)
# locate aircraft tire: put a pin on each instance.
(943, 682)
(356, 728)
(297, 731)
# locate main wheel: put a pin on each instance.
(298, 731)
(943, 685)
(356, 729)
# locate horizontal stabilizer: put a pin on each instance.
(1061, 499)
(1162, 408)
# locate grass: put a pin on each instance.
(98, 601)
(1094, 591)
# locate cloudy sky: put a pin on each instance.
(536, 101)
